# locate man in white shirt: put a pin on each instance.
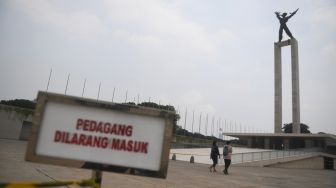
(227, 152)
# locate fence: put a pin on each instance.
(266, 155)
(237, 158)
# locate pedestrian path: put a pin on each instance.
(180, 174)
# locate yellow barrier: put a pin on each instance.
(83, 183)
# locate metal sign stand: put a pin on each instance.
(97, 178)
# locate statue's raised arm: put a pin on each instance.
(277, 15)
(293, 13)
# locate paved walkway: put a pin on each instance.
(180, 174)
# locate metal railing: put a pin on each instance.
(237, 158)
(266, 155)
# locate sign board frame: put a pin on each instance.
(45, 98)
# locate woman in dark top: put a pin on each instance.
(213, 155)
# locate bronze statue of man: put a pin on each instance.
(283, 20)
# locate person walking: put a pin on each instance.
(214, 155)
(227, 152)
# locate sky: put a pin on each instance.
(208, 58)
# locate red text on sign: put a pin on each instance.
(104, 127)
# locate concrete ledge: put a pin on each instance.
(283, 43)
(310, 161)
(313, 162)
(266, 163)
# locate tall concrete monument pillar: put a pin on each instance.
(278, 85)
(277, 89)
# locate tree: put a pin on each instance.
(163, 107)
(288, 128)
(23, 103)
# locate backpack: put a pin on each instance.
(225, 151)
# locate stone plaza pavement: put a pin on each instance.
(13, 168)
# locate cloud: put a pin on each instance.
(138, 39)
(151, 26)
(329, 51)
(326, 15)
(164, 22)
(195, 100)
(77, 24)
(224, 35)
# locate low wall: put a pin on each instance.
(308, 163)
(317, 162)
(11, 120)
